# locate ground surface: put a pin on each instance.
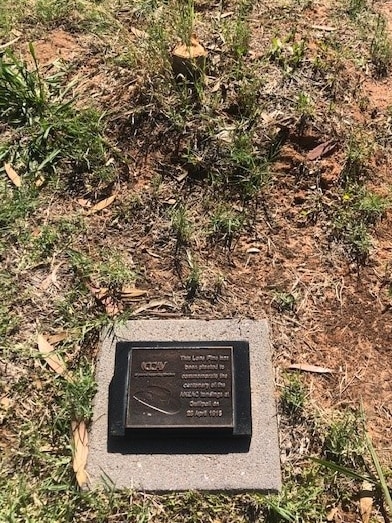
(144, 195)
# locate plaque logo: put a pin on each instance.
(158, 398)
(153, 365)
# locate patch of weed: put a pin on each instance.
(237, 36)
(109, 268)
(246, 170)
(360, 209)
(301, 499)
(381, 48)
(355, 235)
(288, 52)
(8, 318)
(76, 310)
(371, 207)
(293, 395)
(76, 394)
(247, 86)
(358, 151)
(23, 94)
(344, 441)
(53, 237)
(184, 25)
(193, 280)
(53, 12)
(284, 301)
(226, 223)
(16, 207)
(181, 224)
(355, 7)
(305, 105)
(77, 15)
(51, 134)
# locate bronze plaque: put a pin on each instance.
(180, 387)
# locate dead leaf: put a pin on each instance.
(323, 27)
(129, 292)
(216, 87)
(99, 292)
(102, 204)
(8, 44)
(366, 501)
(38, 384)
(322, 150)
(112, 308)
(12, 175)
(153, 305)
(153, 254)
(80, 452)
(138, 32)
(53, 360)
(225, 15)
(310, 368)
(56, 338)
(83, 202)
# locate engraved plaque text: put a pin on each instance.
(180, 387)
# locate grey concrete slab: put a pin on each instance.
(176, 466)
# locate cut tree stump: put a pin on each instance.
(189, 61)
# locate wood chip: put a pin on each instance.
(53, 360)
(12, 175)
(366, 501)
(102, 204)
(80, 452)
(310, 368)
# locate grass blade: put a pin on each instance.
(344, 470)
(380, 474)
